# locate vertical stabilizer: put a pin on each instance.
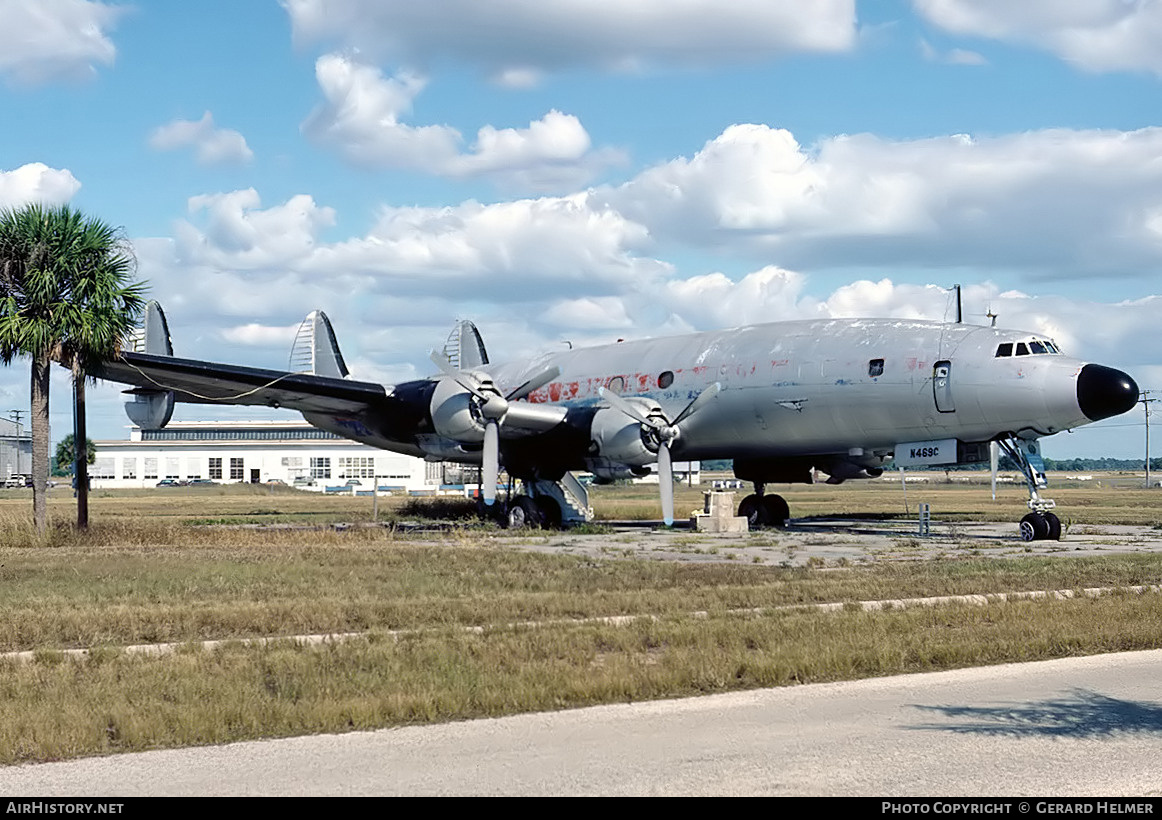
(151, 409)
(464, 348)
(153, 335)
(315, 349)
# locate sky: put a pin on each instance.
(585, 170)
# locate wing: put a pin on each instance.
(202, 382)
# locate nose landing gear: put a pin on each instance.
(1039, 524)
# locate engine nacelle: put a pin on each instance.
(454, 414)
(606, 471)
(618, 439)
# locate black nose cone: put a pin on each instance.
(1103, 392)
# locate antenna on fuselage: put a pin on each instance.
(959, 309)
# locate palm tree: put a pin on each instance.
(66, 294)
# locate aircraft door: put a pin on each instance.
(942, 386)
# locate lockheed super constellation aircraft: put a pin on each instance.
(785, 401)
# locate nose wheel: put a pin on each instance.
(1037, 526)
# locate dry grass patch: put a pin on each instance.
(56, 708)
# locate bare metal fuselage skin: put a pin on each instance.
(806, 387)
(843, 387)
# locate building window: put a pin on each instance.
(236, 469)
(356, 467)
(320, 468)
(150, 468)
(129, 468)
(216, 469)
(172, 468)
(103, 468)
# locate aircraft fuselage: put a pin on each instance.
(828, 386)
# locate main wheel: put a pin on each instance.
(1034, 527)
(523, 512)
(1054, 524)
(550, 512)
(751, 508)
(775, 511)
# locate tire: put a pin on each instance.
(751, 508)
(1034, 527)
(550, 512)
(523, 513)
(776, 511)
(1054, 524)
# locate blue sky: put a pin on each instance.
(591, 169)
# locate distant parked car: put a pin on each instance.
(201, 482)
(169, 482)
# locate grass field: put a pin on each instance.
(152, 570)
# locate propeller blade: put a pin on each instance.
(457, 376)
(994, 460)
(699, 402)
(666, 483)
(627, 408)
(490, 469)
(535, 383)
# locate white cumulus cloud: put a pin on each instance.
(1062, 201)
(517, 39)
(52, 40)
(362, 119)
(1097, 35)
(36, 182)
(212, 146)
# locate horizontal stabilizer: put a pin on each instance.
(315, 349)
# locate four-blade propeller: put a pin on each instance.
(492, 407)
(663, 433)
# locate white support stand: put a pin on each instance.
(718, 515)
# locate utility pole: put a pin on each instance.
(1145, 400)
(15, 415)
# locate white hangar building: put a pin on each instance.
(231, 452)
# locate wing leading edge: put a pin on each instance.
(203, 382)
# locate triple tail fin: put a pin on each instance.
(315, 349)
(151, 409)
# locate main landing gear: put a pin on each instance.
(761, 510)
(515, 512)
(532, 513)
(1039, 524)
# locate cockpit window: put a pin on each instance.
(1034, 347)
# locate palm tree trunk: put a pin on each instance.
(41, 374)
(80, 448)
